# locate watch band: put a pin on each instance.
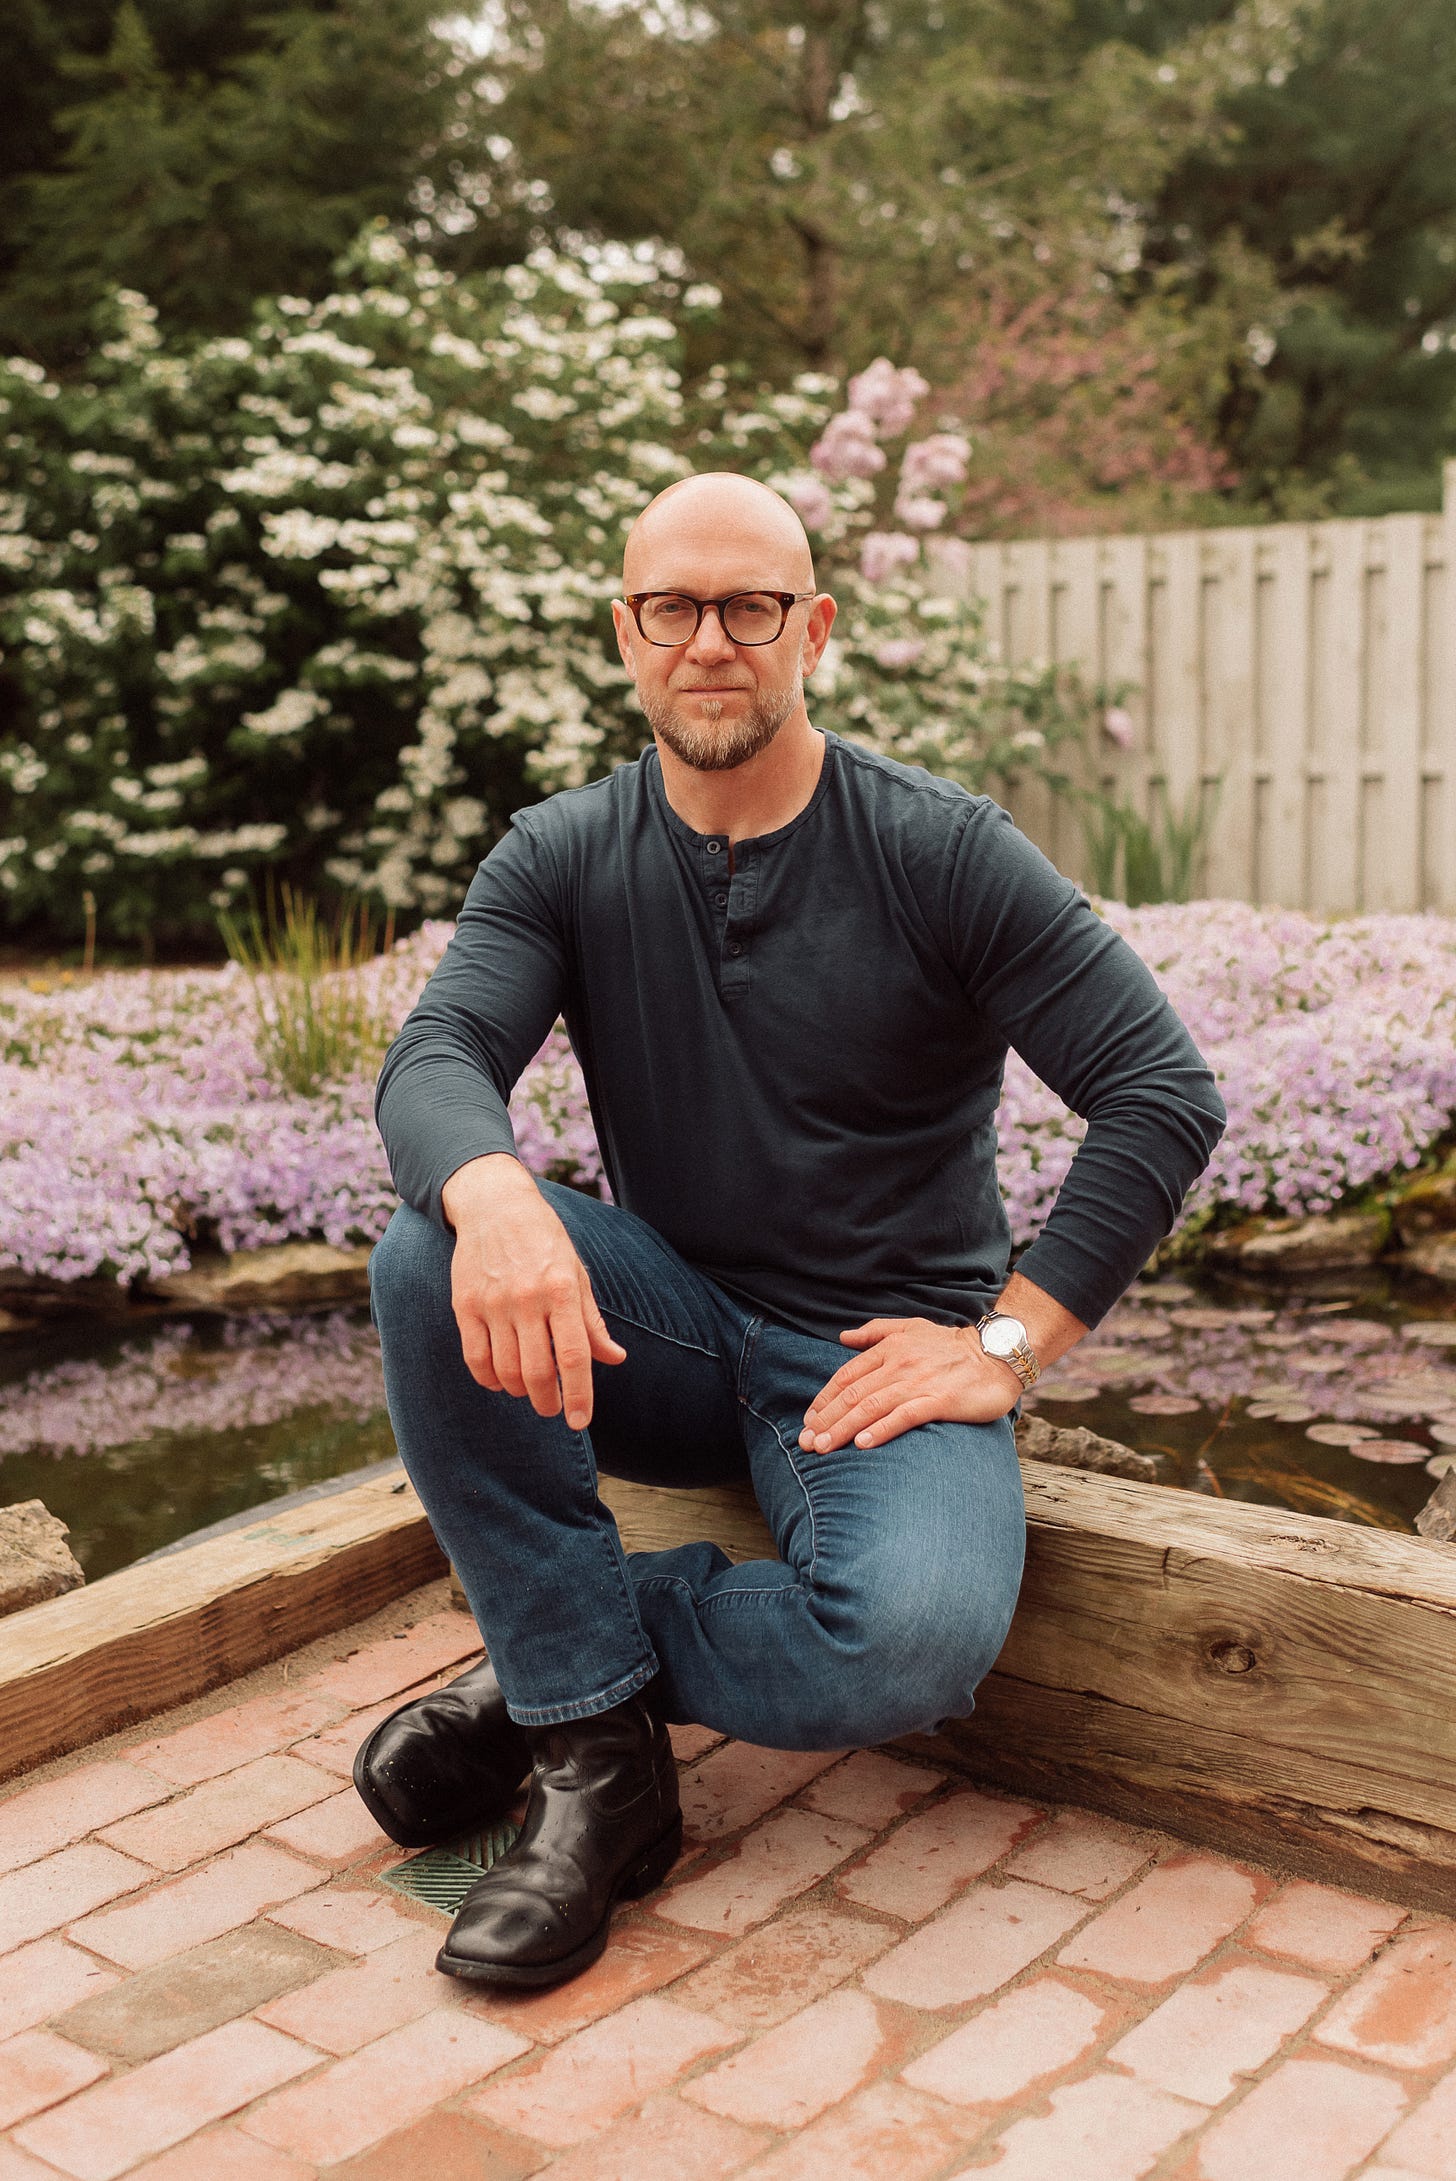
(1021, 1358)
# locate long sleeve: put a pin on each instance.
(1084, 1011)
(447, 1078)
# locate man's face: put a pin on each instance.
(714, 703)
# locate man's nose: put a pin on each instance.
(711, 640)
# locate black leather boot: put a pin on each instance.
(602, 1825)
(445, 1764)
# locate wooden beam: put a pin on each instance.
(1276, 1685)
(148, 1638)
(1280, 1686)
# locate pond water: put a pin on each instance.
(1339, 1400)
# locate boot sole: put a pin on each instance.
(422, 1836)
(651, 1867)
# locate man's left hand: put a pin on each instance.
(910, 1371)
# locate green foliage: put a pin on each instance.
(317, 1022)
(333, 599)
(208, 154)
(1138, 861)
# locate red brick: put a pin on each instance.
(1230, 2022)
(928, 1861)
(37, 2070)
(39, 1820)
(1312, 2120)
(396, 1663)
(871, 1789)
(783, 1856)
(1427, 2141)
(259, 1728)
(108, 2130)
(1402, 2010)
(352, 1922)
(591, 2080)
(666, 2141)
(1037, 2030)
(886, 2133)
(788, 2077)
(1079, 1853)
(1318, 1925)
(354, 2005)
(784, 1965)
(741, 1782)
(229, 1891)
(383, 2088)
(45, 1895)
(691, 1743)
(45, 1978)
(1168, 1922)
(445, 2146)
(219, 1814)
(336, 1748)
(642, 1957)
(223, 2154)
(987, 1937)
(15, 2166)
(1108, 2127)
(337, 1832)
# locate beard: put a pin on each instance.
(710, 747)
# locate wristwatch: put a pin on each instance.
(1005, 1338)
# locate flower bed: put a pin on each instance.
(139, 1118)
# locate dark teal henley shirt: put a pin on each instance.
(794, 1070)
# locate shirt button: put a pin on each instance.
(721, 900)
(715, 848)
(737, 947)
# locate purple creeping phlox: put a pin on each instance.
(139, 1118)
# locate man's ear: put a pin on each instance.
(816, 630)
(623, 624)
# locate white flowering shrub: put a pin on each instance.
(333, 598)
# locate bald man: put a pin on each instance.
(791, 970)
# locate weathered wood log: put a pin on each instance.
(1281, 1686)
(157, 1635)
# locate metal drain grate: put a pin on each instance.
(442, 1877)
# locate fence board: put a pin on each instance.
(1311, 665)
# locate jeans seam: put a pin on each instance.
(770, 1425)
(656, 1333)
(611, 1538)
(727, 1597)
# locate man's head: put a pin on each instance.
(715, 702)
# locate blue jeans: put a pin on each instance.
(899, 1564)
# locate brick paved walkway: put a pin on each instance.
(863, 1970)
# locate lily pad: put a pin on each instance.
(1284, 1412)
(1068, 1389)
(1431, 1332)
(1206, 1319)
(1387, 1450)
(1339, 1434)
(1164, 1291)
(1443, 1434)
(1163, 1404)
(1440, 1464)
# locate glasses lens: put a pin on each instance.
(667, 620)
(753, 618)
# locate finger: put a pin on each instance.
(906, 1416)
(844, 1386)
(572, 1350)
(476, 1349)
(873, 1329)
(538, 1368)
(604, 1347)
(505, 1357)
(866, 1411)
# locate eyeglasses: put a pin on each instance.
(748, 617)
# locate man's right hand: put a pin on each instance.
(529, 1323)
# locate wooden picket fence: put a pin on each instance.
(1312, 665)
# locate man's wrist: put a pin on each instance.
(481, 1182)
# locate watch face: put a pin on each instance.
(1002, 1335)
